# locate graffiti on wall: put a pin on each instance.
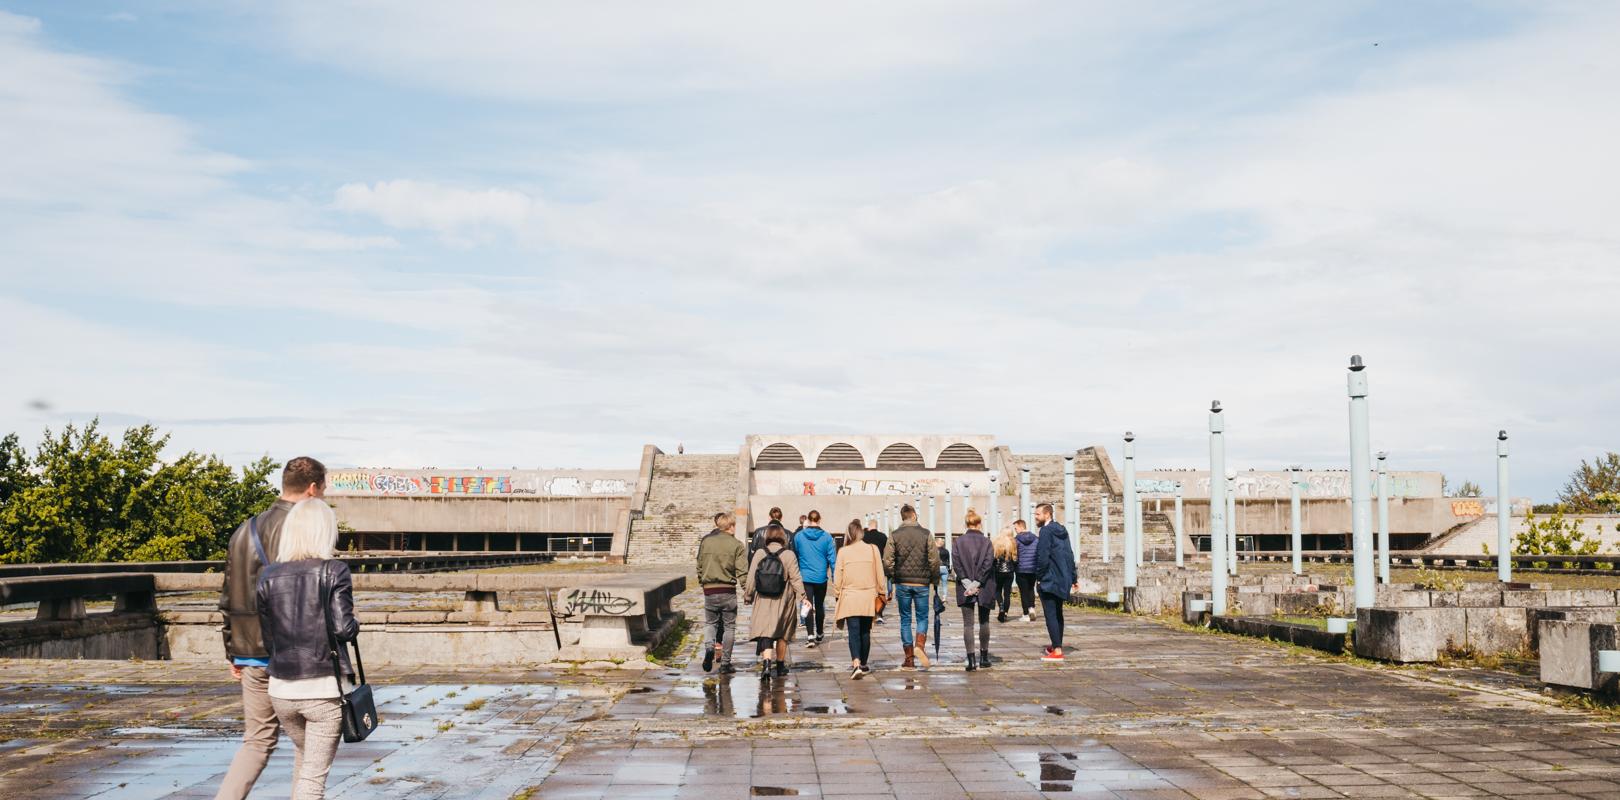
(1467, 508)
(393, 483)
(1255, 485)
(857, 486)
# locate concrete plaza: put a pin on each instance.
(1141, 709)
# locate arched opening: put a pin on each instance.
(960, 456)
(900, 456)
(780, 456)
(840, 456)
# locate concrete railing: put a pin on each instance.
(1593, 564)
(62, 629)
(404, 562)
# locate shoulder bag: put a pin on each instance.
(359, 708)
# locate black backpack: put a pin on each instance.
(770, 579)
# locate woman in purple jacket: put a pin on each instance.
(1026, 539)
(973, 562)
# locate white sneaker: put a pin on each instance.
(1024, 618)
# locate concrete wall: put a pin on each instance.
(811, 445)
(1406, 515)
(489, 514)
(1274, 484)
(837, 511)
(481, 483)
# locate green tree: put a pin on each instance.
(1588, 483)
(1555, 535)
(84, 497)
(1468, 489)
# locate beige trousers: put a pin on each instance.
(315, 727)
(260, 729)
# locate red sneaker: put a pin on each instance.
(1052, 654)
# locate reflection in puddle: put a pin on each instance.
(1057, 772)
(640, 690)
(835, 707)
(773, 791)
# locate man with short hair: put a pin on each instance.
(302, 478)
(1054, 564)
(912, 561)
(722, 563)
(802, 519)
(758, 541)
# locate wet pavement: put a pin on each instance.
(1141, 709)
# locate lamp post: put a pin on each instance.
(1068, 496)
(947, 519)
(1023, 494)
(1294, 487)
(1180, 529)
(1217, 510)
(1131, 551)
(995, 504)
(1504, 512)
(1383, 519)
(1231, 522)
(1360, 491)
(932, 521)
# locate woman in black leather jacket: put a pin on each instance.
(306, 599)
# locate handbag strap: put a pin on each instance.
(258, 544)
(332, 643)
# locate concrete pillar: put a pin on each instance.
(1360, 490)
(1504, 512)
(995, 504)
(1217, 510)
(932, 522)
(1383, 519)
(1023, 495)
(1069, 519)
(1294, 486)
(947, 519)
(1180, 529)
(1132, 551)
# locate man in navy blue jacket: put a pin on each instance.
(1054, 567)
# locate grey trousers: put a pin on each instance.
(983, 613)
(720, 622)
(260, 730)
(315, 726)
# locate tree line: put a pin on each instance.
(82, 496)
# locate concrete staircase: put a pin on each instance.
(685, 493)
(1090, 483)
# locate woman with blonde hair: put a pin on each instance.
(974, 565)
(306, 601)
(857, 589)
(1006, 551)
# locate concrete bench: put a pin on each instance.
(62, 597)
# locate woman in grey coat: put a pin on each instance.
(973, 563)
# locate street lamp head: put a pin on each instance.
(1356, 365)
(1383, 454)
(1502, 435)
(1214, 406)
(1231, 474)
(1130, 437)
(1024, 469)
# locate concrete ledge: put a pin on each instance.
(1535, 616)
(1409, 635)
(1569, 654)
(1278, 630)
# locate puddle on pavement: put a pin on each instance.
(773, 791)
(164, 732)
(640, 690)
(1057, 772)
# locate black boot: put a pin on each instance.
(984, 659)
(972, 663)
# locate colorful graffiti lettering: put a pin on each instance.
(390, 483)
(1467, 508)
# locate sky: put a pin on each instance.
(532, 234)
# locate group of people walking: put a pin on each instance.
(778, 573)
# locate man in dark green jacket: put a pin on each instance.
(722, 563)
(912, 561)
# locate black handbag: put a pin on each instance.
(359, 708)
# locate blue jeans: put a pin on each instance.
(908, 596)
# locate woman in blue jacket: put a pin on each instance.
(1026, 540)
(818, 560)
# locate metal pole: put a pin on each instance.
(1360, 491)
(1231, 522)
(1023, 496)
(947, 518)
(1383, 519)
(995, 507)
(1068, 496)
(1217, 510)
(1180, 529)
(1294, 485)
(1132, 557)
(1504, 512)
(932, 521)
(1106, 555)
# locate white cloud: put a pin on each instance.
(447, 210)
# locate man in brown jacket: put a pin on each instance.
(303, 477)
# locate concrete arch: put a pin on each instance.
(779, 456)
(840, 455)
(959, 456)
(901, 455)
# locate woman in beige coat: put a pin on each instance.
(774, 619)
(857, 584)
